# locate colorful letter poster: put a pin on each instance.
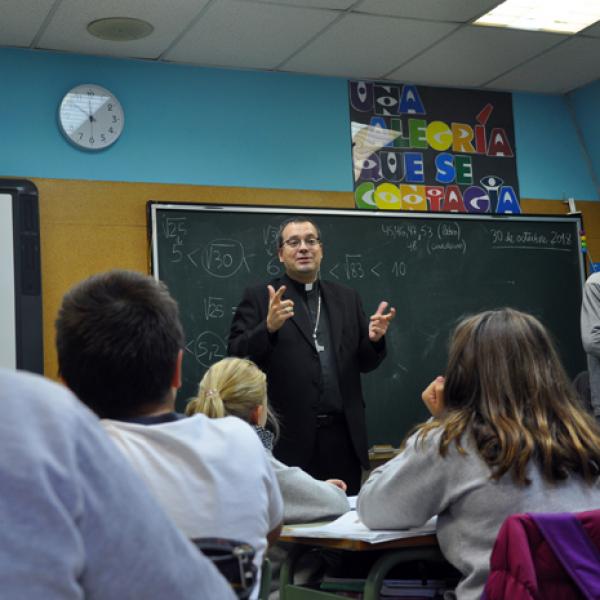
(432, 149)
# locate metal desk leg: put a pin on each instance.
(288, 568)
(383, 565)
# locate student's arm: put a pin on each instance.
(274, 534)
(274, 495)
(305, 498)
(409, 489)
(590, 316)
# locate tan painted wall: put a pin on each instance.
(93, 226)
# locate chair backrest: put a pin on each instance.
(265, 580)
(234, 560)
(546, 555)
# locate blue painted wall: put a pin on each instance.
(551, 161)
(586, 103)
(241, 128)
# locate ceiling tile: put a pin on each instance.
(592, 30)
(473, 55)
(67, 30)
(21, 21)
(329, 4)
(457, 11)
(573, 64)
(366, 46)
(249, 35)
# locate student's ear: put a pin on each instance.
(177, 374)
(257, 416)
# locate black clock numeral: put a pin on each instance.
(114, 119)
(80, 136)
(109, 107)
(102, 137)
(92, 140)
(90, 93)
(111, 130)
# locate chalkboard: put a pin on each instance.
(433, 267)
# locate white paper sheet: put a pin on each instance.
(349, 527)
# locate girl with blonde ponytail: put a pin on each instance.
(237, 387)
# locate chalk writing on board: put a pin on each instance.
(446, 246)
(353, 266)
(221, 258)
(174, 228)
(274, 267)
(270, 239)
(399, 268)
(213, 308)
(207, 348)
(531, 240)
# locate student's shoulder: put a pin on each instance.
(234, 428)
(427, 443)
(41, 401)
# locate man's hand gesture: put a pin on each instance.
(380, 322)
(279, 310)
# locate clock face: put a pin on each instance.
(91, 117)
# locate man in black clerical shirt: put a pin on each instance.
(313, 339)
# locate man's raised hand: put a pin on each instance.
(279, 310)
(380, 321)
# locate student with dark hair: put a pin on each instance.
(313, 340)
(508, 435)
(119, 343)
(77, 522)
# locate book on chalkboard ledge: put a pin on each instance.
(382, 448)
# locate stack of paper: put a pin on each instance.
(350, 527)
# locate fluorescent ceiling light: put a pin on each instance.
(562, 16)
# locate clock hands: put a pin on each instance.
(90, 124)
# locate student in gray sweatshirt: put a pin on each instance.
(76, 520)
(237, 387)
(508, 435)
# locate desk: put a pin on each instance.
(423, 547)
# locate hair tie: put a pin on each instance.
(211, 393)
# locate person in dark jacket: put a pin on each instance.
(313, 340)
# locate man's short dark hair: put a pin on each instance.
(297, 219)
(118, 335)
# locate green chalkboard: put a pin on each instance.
(434, 268)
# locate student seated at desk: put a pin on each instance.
(237, 387)
(76, 520)
(119, 343)
(508, 435)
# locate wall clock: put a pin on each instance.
(91, 117)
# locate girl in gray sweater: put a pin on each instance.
(237, 387)
(507, 436)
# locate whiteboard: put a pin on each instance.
(8, 347)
